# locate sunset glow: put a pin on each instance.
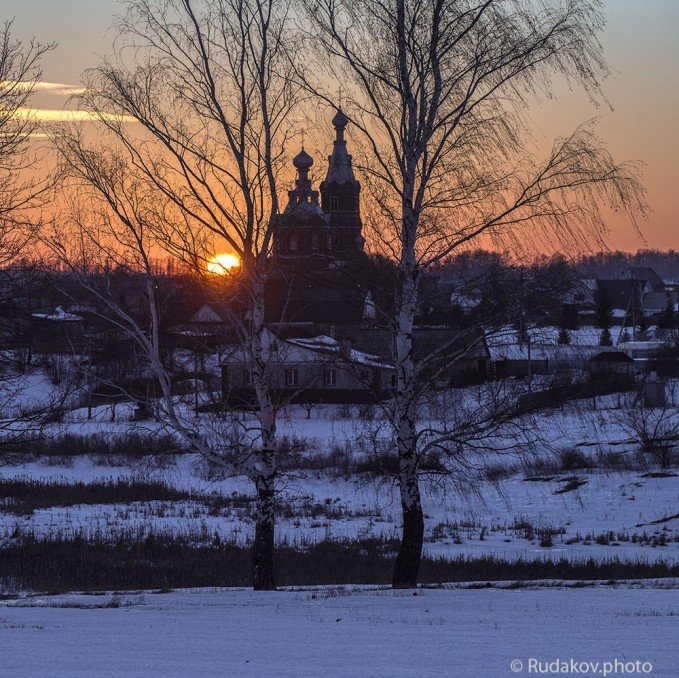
(221, 264)
(54, 115)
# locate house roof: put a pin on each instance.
(211, 313)
(648, 274)
(59, 315)
(619, 292)
(300, 350)
(552, 352)
(504, 344)
(331, 347)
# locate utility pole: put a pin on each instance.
(89, 376)
(634, 306)
(195, 377)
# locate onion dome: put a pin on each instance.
(340, 121)
(303, 161)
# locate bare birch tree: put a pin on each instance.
(209, 90)
(20, 188)
(438, 90)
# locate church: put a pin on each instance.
(327, 338)
(320, 275)
(323, 224)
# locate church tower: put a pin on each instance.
(302, 227)
(329, 231)
(340, 195)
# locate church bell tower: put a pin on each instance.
(340, 194)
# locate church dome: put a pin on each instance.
(340, 121)
(303, 161)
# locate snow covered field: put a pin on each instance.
(342, 632)
(624, 514)
(533, 505)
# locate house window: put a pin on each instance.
(394, 382)
(334, 203)
(247, 377)
(291, 378)
(293, 243)
(330, 377)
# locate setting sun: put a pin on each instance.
(221, 264)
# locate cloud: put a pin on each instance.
(56, 115)
(57, 88)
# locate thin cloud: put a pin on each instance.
(56, 115)
(56, 88)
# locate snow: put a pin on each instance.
(544, 344)
(26, 392)
(324, 343)
(638, 511)
(464, 633)
(58, 315)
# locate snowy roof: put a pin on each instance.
(581, 336)
(328, 345)
(636, 345)
(563, 352)
(299, 350)
(58, 315)
(544, 344)
(465, 301)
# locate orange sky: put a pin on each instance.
(640, 44)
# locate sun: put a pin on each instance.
(221, 264)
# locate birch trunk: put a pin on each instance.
(263, 546)
(264, 475)
(410, 551)
(407, 564)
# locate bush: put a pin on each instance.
(22, 496)
(164, 561)
(572, 460)
(129, 445)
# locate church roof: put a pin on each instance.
(340, 170)
(340, 119)
(303, 160)
(303, 200)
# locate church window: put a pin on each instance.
(293, 243)
(334, 203)
(315, 244)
